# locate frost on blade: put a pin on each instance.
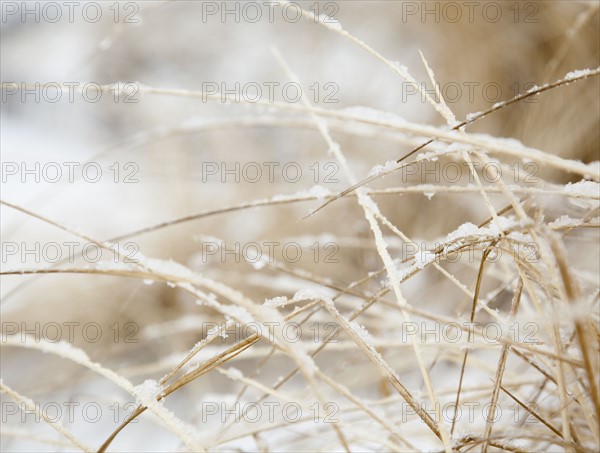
(68, 351)
(429, 156)
(423, 258)
(276, 301)
(473, 116)
(578, 73)
(464, 231)
(310, 294)
(368, 203)
(168, 267)
(564, 221)
(383, 169)
(148, 392)
(584, 188)
(499, 225)
(238, 313)
(363, 333)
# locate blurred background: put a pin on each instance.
(158, 158)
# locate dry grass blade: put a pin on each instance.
(459, 126)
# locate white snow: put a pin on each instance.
(363, 333)
(424, 257)
(472, 116)
(500, 224)
(383, 169)
(578, 73)
(238, 313)
(429, 156)
(465, 230)
(564, 221)
(68, 351)
(310, 294)
(585, 188)
(368, 203)
(276, 301)
(166, 267)
(147, 392)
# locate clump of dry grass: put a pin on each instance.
(458, 314)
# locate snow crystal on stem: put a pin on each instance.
(238, 313)
(363, 333)
(585, 188)
(68, 351)
(147, 392)
(578, 73)
(424, 257)
(499, 225)
(382, 169)
(316, 191)
(276, 301)
(368, 203)
(308, 294)
(465, 230)
(564, 221)
(168, 267)
(473, 116)
(430, 156)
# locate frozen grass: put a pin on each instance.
(391, 392)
